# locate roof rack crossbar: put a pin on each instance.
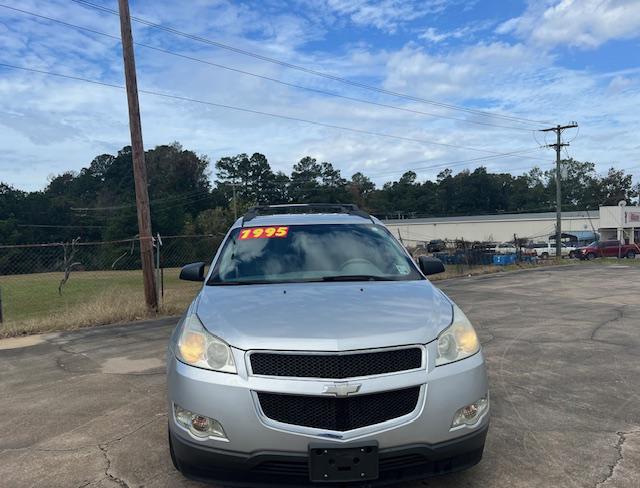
(346, 208)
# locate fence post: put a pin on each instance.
(158, 246)
(1, 315)
(162, 284)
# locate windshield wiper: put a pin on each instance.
(356, 278)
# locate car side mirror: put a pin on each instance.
(192, 272)
(430, 266)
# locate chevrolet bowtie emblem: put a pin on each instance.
(341, 389)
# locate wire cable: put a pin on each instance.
(454, 163)
(309, 70)
(267, 78)
(257, 112)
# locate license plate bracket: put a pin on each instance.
(343, 464)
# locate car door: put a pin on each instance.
(610, 249)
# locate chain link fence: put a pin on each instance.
(70, 284)
(462, 257)
(64, 285)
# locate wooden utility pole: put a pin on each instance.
(139, 168)
(558, 147)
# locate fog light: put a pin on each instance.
(470, 414)
(198, 425)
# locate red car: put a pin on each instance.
(608, 249)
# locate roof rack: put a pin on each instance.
(345, 208)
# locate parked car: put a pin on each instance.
(510, 248)
(605, 249)
(547, 249)
(307, 354)
(505, 248)
(436, 245)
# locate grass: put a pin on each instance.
(31, 303)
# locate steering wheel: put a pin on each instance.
(355, 261)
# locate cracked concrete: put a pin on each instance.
(614, 477)
(87, 409)
(115, 479)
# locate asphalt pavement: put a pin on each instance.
(87, 408)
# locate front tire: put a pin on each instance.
(544, 255)
(631, 254)
(572, 254)
(591, 256)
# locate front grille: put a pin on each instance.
(336, 366)
(339, 414)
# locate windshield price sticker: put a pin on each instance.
(263, 232)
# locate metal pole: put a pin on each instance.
(621, 204)
(139, 168)
(1, 314)
(158, 244)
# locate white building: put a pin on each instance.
(536, 226)
(620, 222)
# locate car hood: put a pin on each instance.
(324, 316)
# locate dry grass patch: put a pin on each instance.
(32, 303)
(111, 307)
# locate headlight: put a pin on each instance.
(197, 347)
(458, 341)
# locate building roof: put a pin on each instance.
(582, 214)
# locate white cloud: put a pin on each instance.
(50, 125)
(467, 32)
(386, 15)
(431, 34)
(584, 24)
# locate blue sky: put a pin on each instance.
(545, 60)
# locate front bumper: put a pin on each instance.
(263, 468)
(418, 444)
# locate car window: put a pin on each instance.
(313, 253)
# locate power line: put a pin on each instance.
(152, 202)
(52, 226)
(162, 205)
(258, 112)
(309, 70)
(454, 163)
(268, 78)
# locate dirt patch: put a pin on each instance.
(27, 341)
(123, 365)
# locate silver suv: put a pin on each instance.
(316, 352)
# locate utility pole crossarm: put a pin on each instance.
(558, 147)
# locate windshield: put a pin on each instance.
(302, 253)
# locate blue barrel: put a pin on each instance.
(504, 259)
